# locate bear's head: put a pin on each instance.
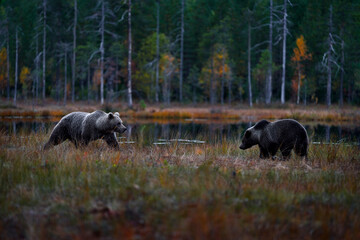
(248, 139)
(115, 123)
(252, 135)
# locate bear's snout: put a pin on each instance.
(242, 146)
(122, 128)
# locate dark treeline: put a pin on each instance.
(181, 50)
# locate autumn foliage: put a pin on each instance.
(300, 55)
(3, 66)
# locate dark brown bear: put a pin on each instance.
(81, 128)
(270, 136)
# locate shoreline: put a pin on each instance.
(319, 113)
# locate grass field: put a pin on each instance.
(204, 191)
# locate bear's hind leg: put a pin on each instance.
(286, 151)
(301, 149)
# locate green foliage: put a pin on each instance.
(207, 23)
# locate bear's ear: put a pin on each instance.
(247, 134)
(110, 115)
(117, 114)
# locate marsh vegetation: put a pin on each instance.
(208, 190)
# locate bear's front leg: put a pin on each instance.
(263, 153)
(111, 141)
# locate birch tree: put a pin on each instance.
(249, 18)
(157, 50)
(285, 32)
(74, 53)
(16, 62)
(102, 14)
(44, 52)
(269, 71)
(129, 90)
(329, 59)
(181, 52)
(341, 95)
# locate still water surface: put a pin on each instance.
(150, 131)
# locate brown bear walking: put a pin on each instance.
(81, 128)
(270, 136)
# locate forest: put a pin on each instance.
(186, 51)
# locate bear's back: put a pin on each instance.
(287, 130)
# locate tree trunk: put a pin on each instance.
(16, 64)
(129, 90)
(157, 51)
(229, 90)
(88, 84)
(299, 80)
(305, 88)
(269, 73)
(284, 56)
(212, 89)
(74, 54)
(102, 51)
(222, 82)
(341, 100)
(57, 74)
(44, 55)
(249, 63)
(328, 86)
(181, 51)
(37, 68)
(65, 72)
(7, 66)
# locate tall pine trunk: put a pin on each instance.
(181, 51)
(129, 90)
(328, 85)
(222, 82)
(249, 64)
(269, 71)
(88, 84)
(37, 69)
(74, 54)
(341, 96)
(212, 83)
(65, 72)
(157, 51)
(299, 81)
(44, 55)
(284, 55)
(7, 65)
(16, 63)
(102, 51)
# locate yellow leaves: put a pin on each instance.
(301, 51)
(25, 75)
(216, 65)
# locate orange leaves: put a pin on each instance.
(217, 65)
(300, 55)
(301, 51)
(3, 66)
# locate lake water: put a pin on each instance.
(151, 131)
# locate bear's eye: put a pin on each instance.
(247, 134)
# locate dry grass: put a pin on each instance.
(204, 191)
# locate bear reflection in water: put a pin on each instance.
(81, 128)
